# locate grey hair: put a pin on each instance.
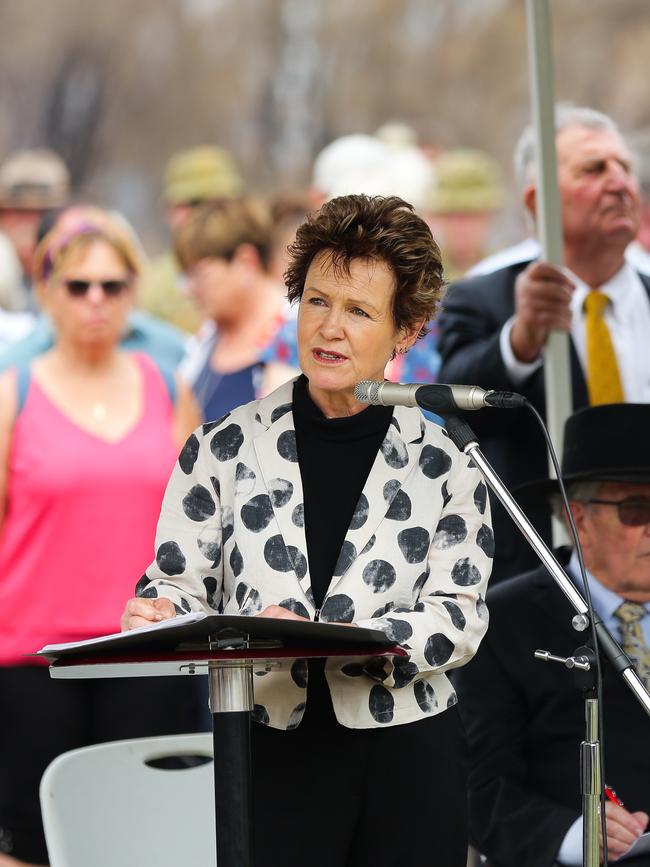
(577, 492)
(566, 115)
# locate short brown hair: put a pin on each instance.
(217, 229)
(380, 228)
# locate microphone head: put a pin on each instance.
(367, 391)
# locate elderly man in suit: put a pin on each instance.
(494, 327)
(525, 720)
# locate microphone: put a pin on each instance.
(436, 398)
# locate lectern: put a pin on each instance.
(226, 648)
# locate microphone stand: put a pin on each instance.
(464, 438)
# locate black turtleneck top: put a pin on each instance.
(336, 456)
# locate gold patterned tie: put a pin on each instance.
(630, 615)
(603, 378)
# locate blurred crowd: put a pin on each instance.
(212, 304)
(212, 216)
(110, 358)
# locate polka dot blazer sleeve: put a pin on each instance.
(188, 565)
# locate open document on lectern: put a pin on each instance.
(199, 629)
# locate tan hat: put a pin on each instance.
(466, 180)
(201, 174)
(34, 179)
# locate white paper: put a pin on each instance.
(179, 620)
(641, 846)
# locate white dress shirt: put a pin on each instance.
(628, 320)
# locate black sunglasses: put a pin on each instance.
(632, 511)
(112, 288)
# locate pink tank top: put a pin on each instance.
(80, 519)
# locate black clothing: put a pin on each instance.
(75, 713)
(525, 722)
(330, 796)
(336, 456)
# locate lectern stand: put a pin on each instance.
(227, 648)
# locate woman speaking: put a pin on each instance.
(308, 504)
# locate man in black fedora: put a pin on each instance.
(525, 720)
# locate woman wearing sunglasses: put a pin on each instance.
(88, 436)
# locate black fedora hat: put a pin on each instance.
(607, 443)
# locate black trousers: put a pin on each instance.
(41, 718)
(328, 796)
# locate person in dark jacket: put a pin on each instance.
(494, 328)
(524, 719)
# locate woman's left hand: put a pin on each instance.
(285, 614)
(280, 612)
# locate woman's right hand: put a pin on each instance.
(623, 829)
(145, 612)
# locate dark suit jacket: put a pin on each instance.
(525, 722)
(473, 314)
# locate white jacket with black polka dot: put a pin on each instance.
(415, 561)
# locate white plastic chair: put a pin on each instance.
(104, 806)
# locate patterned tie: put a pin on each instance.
(603, 379)
(630, 615)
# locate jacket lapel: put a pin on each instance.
(395, 461)
(275, 448)
(550, 599)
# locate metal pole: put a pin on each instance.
(231, 703)
(591, 786)
(557, 370)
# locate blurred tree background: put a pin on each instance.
(116, 87)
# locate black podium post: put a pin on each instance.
(231, 704)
